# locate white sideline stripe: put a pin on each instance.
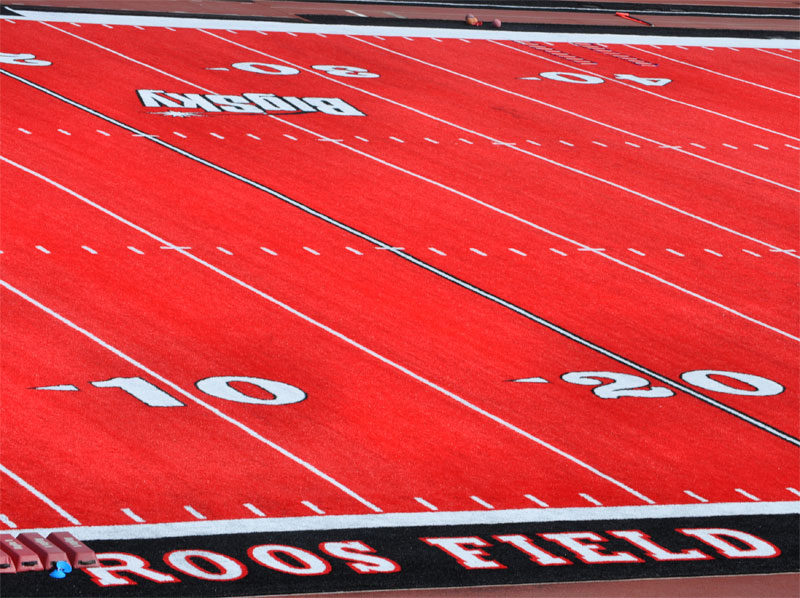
(189, 396)
(132, 515)
(631, 86)
(478, 251)
(43, 249)
(38, 494)
(7, 521)
(794, 491)
(254, 509)
(695, 66)
(518, 252)
(515, 148)
(309, 250)
(434, 250)
(134, 250)
(569, 240)
(356, 251)
(24, 130)
(752, 252)
(89, 249)
(678, 253)
(268, 250)
(712, 252)
(420, 519)
(637, 252)
(311, 321)
(225, 251)
(419, 32)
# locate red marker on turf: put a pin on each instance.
(626, 15)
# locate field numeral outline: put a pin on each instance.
(583, 79)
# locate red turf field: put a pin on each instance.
(495, 212)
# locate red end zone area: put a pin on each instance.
(287, 312)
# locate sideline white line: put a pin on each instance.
(38, 494)
(132, 515)
(310, 320)
(639, 49)
(186, 394)
(194, 512)
(254, 509)
(425, 504)
(420, 32)
(695, 496)
(761, 49)
(420, 519)
(514, 148)
(7, 521)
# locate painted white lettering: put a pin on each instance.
(305, 562)
(585, 547)
(466, 551)
(757, 548)
(360, 557)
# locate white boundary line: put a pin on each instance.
(702, 68)
(422, 32)
(38, 494)
(443, 518)
(173, 386)
(503, 423)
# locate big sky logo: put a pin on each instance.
(247, 103)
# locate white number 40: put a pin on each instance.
(582, 79)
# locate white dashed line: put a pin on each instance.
(764, 147)
(436, 39)
(734, 49)
(132, 515)
(600, 144)
(481, 502)
(107, 26)
(89, 249)
(356, 251)
(397, 140)
(712, 252)
(695, 496)
(465, 140)
(518, 252)
(134, 250)
(425, 503)
(434, 250)
(64, 132)
(379, 37)
(794, 147)
(352, 12)
(225, 251)
(747, 494)
(169, 28)
(179, 134)
(103, 133)
(532, 498)
(631, 143)
(256, 137)
(673, 252)
(313, 507)
(590, 499)
(309, 250)
(566, 143)
(74, 24)
(793, 491)
(289, 137)
(267, 250)
(753, 253)
(532, 142)
(698, 145)
(730, 146)
(194, 512)
(139, 28)
(292, 34)
(557, 251)
(7, 521)
(431, 140)
(42, 249)
(478, 251)
(322, 35)
(362, 139)
(637, 252)
(595, 249)
(466, 41)
(254, 510)
(217, 135)
(681, 47)
(24, 131)
(709, 49)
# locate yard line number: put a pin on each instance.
(215, 386)
(583, 79)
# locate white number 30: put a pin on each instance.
(26, 59)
